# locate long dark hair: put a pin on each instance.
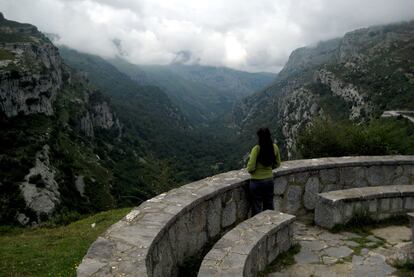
(267, 153)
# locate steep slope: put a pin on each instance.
(160, 121)
(203, 93)
(356, 77)
(63, 148)
(188, 153)
(48, 117)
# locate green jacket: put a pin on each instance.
(259, 171)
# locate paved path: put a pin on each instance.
(325, 254)
(407, 114)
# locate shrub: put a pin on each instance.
(326, 138)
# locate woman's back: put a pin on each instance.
(259, 171)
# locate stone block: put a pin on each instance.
(328, 215)
(298, 178)
(384, 205)
(163, 252)
(348, 175)
(262, 255)
(409, 203)
(373, 206)
(280, 184)
(214, 217)
(375, 175)
(277, 201)
(243, 209)
(283, 239)
(311, 193)
(328, 176)
(349, 210)
(332, 187)
(409, 172)
(390, 172)
(402, 180)
(271, 242)
(228, 216)
(293, 199)
(396, 204)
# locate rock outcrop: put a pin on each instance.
(355, 77)
(40, 189)
(45, 100)
(30, 70)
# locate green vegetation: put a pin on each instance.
(405, 269)
(283, 260)
(6, 55)
(51, 251)
(166, 139)
(15, 37)
(385, 136)
(21, 138)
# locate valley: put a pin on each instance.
(82, 133)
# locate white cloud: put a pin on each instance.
(248, 35)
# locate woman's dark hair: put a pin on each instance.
(267, 153)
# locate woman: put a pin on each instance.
(263, 158)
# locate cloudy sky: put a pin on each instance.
(253, 35)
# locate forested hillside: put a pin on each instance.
(84, 140)
(355, 78)
(203, 93)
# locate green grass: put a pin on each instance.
(6, 55)
(51, 251)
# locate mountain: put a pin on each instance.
(147, 111)
(86, 138)
(203, 93)
(51, 123)
(356, 77)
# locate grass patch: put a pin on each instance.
(282, 261)
(408, 266)
(404, 269)
(365, 242)
(51, 251)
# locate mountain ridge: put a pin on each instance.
(355, 77)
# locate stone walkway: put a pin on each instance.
(327, 254)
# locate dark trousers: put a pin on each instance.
(262, 195)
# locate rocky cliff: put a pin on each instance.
(46, 112)
(356, 77)
(30, 70)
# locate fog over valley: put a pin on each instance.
(246, 35)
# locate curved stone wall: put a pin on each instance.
(159, 235)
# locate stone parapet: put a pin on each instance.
(163, 232)
(250, 246)
(411, 218)
(339, 207)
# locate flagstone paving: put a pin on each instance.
(328, 254)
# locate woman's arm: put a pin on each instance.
(251, 165)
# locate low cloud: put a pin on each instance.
(248, 35)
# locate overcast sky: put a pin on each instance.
(253, 35)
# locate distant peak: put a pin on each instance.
(1, 16)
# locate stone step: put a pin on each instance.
(250, 246)
(340, 206)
